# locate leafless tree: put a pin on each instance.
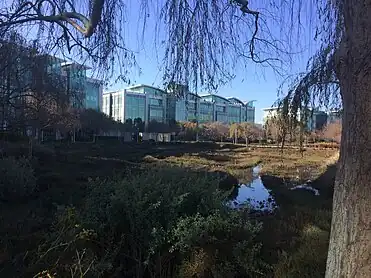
(32, 96)
(215, 131)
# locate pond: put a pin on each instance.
(254, 194)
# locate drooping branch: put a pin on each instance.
(246, 10)
(205, 40)
(81, 23)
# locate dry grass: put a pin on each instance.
(289, 163)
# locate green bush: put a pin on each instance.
(154, 223)
(17, 179)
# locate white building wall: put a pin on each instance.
(269, 113)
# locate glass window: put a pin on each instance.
(221, 108)
(134, 107)
(157, 102)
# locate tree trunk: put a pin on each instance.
(350, 241)
(247, 141)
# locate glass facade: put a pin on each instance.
(206, 112)
(106, 104)
(180, 111)
(234, 114)
(92, 91)
(117, 107)
(171, 105)
(156, 103)
(149, 103)
(84, 92)
(221, 117)
(156, 113)
(250, 114)
(135, 106)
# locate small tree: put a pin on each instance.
(249, 131)
(189, 130)
(272, 128)
(234, 132)
(215, 131)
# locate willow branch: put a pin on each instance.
(78, 21)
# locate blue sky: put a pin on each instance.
(252, 81)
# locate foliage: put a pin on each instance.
(215, 131)
(250, 132)
(309, 260)
(98, 122)
(189, 130)
(17, 179)
(212, 237)
(152, 222)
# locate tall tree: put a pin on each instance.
(340, 69)
(206, 39)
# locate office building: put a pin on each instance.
(141, 101)
(27, 78)
(316, 119)
(151, 103)
(85, 92)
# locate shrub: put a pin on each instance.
(211, 243)
(17, 179)
(154, 223)
(309, 259)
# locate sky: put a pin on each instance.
(252, 81)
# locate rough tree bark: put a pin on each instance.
(350, 241)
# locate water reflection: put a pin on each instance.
(254, 194)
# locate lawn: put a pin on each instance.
(155, 203)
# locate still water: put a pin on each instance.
(254, 194)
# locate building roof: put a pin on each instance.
(196, 95)
(74, 64)
(144, 85)
(270, 109)
(214, 95)
(94, 80)
(236, 100)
